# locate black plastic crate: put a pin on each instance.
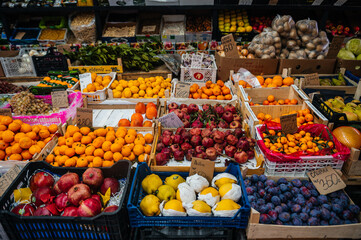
(110, 226)
(52, 61)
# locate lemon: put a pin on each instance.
(225, 208)
(151, 183)
(223, 178)
(150, 205)
(197, 182)
(185, 193)
(248, 29)
(165, 193)
(230, 191)
(198, 208)
(210, 195)
(174, 180)
(173, 208)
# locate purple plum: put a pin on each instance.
(296, 221)
(325, 214)
(312, 221)
(273, 215)
(284, 217)
(276, 200)
(264, 218)
(315, 213)
(297, 183)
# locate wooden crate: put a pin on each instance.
(276, 111)
(159, 71)
(352, 166)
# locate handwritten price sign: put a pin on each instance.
(202, 167)
(182, 90)
(326, 180)
(229, 46)
(84, 117)
(289, 123)
(59, 99)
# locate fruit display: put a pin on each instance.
(352, 109)
(333, 81)
(68, 196)
(6, 87)
(304, 117)
(149, 87)
(207, 116)
(192, 196)
(215, 91)
(58, 82)
(271, 100)
(102, 147)
(98, 83)
(20, 141)
(242, 51)
(298, 203)
(352, 50)
(183, 144)
(52, 34)
(142, 112)
(199, 24)
(276, 81)
(341, 29)
(234, 21)
(260, 23)
(25, 103)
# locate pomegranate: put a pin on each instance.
(196, 140)
(195, 131)
(183, 106)
(227, 132)
(232, 140)
(192, 108)
(219, 109)
(177, 139)
(172, 106)
(211, 153)
(93, 177)
(180, 131)
(199, 149)
(160, 146)
(77, 193)
(61, 201)
(111, 183)
(235, 124)
(41, 179)
(89, 208)
(202, 155)
(174, 147)
(112, 208)
(206, 132)
(97, 197)
(186, 123)
(66, 182)
(230, 151)
(24, 209)
(211, 125)
(237, 117)
(206, 107)
(250, 154)
(167, 140)
(167, 153)
(197, 124)
(42, 195)
(47, 210)
(189, 154)
(243, 145)
(241, 157)
(167, 132)
(252, 142)
(223, 124)
(238, 132)
(171, 110)
(207, 142)
(219, 147)
(185, 147)
(228, 117)
(161, 159)
(178, 155)
(186, 116)
(70, 212)
(218, 136)
(179, 113)
(230, 108)
(186, 135)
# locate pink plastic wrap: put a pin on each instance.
(343, 152)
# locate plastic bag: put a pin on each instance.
(172, 61)
(343, 152)
(318, 47)
(299, 54)
(248, 77)
(83, 27)
(285, 26)
(307, 30)
(267, 44)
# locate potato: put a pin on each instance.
(320, 57)
(312, 55)
(266, 57)
(291, 44)
(292, 55)
(319, 48)
(286, 27)
(310, 46)
(293, 34)
(306, 38)
(278, 45)
(280, 29)
(303, 27)
(272, 55)
(277, 39)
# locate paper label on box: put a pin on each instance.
(229, 46)
(84, 117)
(196, 61)
(202, 167)
(85, 79)
(182, 90)
(5, 112)
(335, 46)
(8, 178)
(150, 28)
(326, 180)
(171, 120)
(59, 99)
(312, 79)
(289, 123)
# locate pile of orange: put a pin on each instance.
(20, 141)
(304, 117)
(98, 83)
(137, 119)
(271, 100)
(81, 147)
(277, 141)
(276, 81)
(215, 91)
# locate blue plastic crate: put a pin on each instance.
(24, 41)
(138, 219)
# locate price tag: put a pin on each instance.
(196, 61)
(312, 79)
(85, 79)
(84, 117)
(59, 99)
(20, 35)
(202, 167)
(150, 28)
(326, 180)
(335, 46)
(229, 46)
(8, 178)
(166, 93)
(5, 112)
(289, 123)
(272, 2)
(171, 120)
(182, 90)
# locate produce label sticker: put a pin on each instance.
(182, 90)
(202, 167)
(289, 123)
(85, 79)
(335, 46)
(326, 180)
(5, 112)
(84, 117)
(171, 120)
(8, 178)
(59, 99)
(229, 46)
(312, 79)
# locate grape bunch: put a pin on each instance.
(25, 103)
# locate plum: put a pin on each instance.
(325, 214)
(303, 216)
(262, 178)
(263, 209)
(314, 193)
(254, 178)
(282, 181)
(276, 200)
(261, 202)
(347, 215)
(337, 208)
(251, 198)
(335, 221)
(264, 218)
(273, 215)
(278, 222)
(282, 198)
(260, 185)
(284, 207)
(305, 192)
(312, 221)
(288, 195)
(296, 221)
(249, 190)
(322, 199)
(295, 191)
(278, 209)
(297, 183)
(270, 206)
(267, 197)
(296, 208)
(354, 209)
(262, 192)
(283, 187)
(324, 223)
(270, 182)
(306, 209)
(315, 213)
(284, 217)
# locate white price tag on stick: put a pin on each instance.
(171, 120)
(85, 79)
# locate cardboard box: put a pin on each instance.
(307, 66)
(352, 166)
(255, 66)
(119, 25)
(176, 37)
(354, 66)
(7, 54)
(149, 22)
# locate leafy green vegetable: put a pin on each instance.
(354, 46)
(345, 54)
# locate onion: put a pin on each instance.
(348, 136)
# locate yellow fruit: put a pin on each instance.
(151, 183)
(230, 191)
(173, 208)
(150, 205)
(223, 178)
(227, 204)
(201, 207)
(174, 180)
(165, 193)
